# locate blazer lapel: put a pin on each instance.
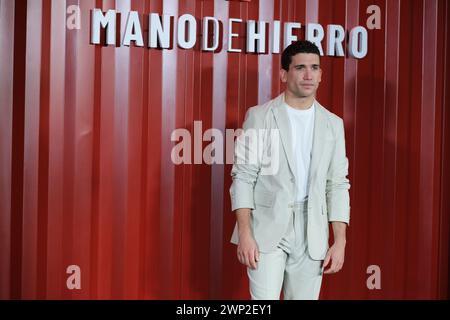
(320, 133)
(321, 128)
(284, 127)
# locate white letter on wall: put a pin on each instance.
(335, 35)
(358, 42)
(315, 34)
(108, 22)
(205, 38)
(276, 37)
(159, 33)
(232, 35)
(133, 23)
(288, 36)
(189, 20)
(259, 37)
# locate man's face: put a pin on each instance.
(304, 75)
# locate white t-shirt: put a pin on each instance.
(302, 128)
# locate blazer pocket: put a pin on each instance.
(264, 198)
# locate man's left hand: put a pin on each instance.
(336, 255)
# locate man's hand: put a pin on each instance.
(336, 255)
(247, 250)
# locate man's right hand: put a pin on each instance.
(247, 250)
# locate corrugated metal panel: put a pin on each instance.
(86, 176)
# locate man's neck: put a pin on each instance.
(298, 103)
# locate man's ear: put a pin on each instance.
(283, 75)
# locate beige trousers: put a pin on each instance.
(289, 267)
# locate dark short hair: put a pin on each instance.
(302, 46)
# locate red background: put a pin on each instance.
(85, 170)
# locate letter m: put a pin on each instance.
(108, 21)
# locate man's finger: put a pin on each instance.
(333, 268)
(327, 260)
(246, 262)
(252, 260)
(329, 271)
(256, 258)
(240, 256)
(338, 266)
(241, 260)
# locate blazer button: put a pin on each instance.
(292, 180)
(290, 205)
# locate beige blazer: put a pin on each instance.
(270, 193)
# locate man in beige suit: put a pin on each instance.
(283, 213)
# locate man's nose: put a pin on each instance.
(307, 75)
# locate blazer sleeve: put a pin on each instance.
(337, 186)
(247, 164)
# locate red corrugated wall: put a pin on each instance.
(86, 176)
